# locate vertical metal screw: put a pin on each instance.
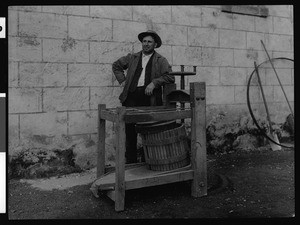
(182, 78)
(182, 68)
(182, 88)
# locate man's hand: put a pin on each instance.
(149, 89)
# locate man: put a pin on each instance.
(147, 72)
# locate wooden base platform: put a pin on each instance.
(139, 176)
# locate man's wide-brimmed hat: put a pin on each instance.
(153, 34)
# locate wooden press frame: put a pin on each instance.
(121, 115)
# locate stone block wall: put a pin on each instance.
(60, 63)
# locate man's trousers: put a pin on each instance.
(136, 98)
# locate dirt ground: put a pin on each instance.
(258, 184)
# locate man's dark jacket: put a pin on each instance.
(159, 71)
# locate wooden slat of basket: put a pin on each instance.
(173, 148)
(159, 155)
(172, 160)
(162, 150)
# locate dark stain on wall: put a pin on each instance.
(252, 54)
(68, 43)
(28, 41)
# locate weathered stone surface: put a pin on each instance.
(264, 25)
(279, 111)
(215, 18)
(166, 51)
(65, 50)
(43, 74)
(292, 12)
(89, 75)
(232, 39)
(12, 22)
(219, 94)
(49, 124)
(23, 100)
(42, 25)
(186, 15)
(137, 46)
(241, 9)
(73, 73)
(283, 63)
(253, 40)
(109, 143)
(232, 111)
(130, 34)
(280, 10)
(172, 34)
(60, 99)
(254, 80)
(203, 37)
(278, 42)
(27, 8)
(243, 22)
(240, 94)
(155, 14)
(13, 74)
(246, 58)
(217, 57)
(85, 28)
(283, 26)
(25, 49)
(233, 76)
(108, 52)
(105, 95)
(209, 75)
(279, 96)
(112, 12)
(269, 94)
(254, 94)
(187, 55)
(285, 76)
(69, 10)
(83, 122)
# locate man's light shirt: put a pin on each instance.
(145, 60)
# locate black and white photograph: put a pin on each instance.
(150, 111)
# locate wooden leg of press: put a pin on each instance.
(120, 160)
(198, 139)
(101, 142)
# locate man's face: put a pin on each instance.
(148, 45)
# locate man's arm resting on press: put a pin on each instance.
(165, 77)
